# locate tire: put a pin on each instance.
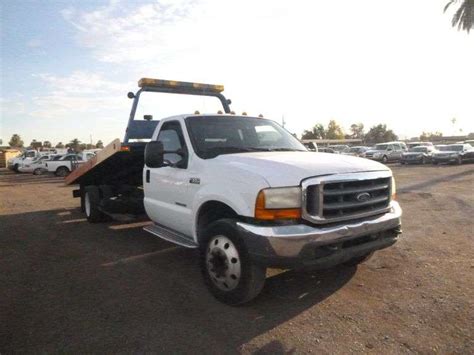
(384, 159)
(38, 171)
(459, 161)
(228, 272)
(62, 171)
(359, 260)
(423, 160)
(15, 168)
(91, 203)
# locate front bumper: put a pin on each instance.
(304, 246)
(416, 160)
(448, 159)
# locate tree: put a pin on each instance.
(99, 144)
(463, 17)
(47, 144)
(334, 131)
(317, 132)
(380, 134)
(74, 144)
(60, 145)
(357, 131)
(430, 136)
(15, 141)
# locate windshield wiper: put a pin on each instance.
(285, 150)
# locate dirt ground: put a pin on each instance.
(73, 287)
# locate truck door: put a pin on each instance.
(166, 187)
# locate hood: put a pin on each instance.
(445, 152)
(290, 168)
(413, 153)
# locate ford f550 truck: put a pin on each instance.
(241, 190)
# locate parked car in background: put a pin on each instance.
(64, 165)
(417, 144)
(339, 148)
(326, 150)
(311, 146)
(470, 142)
(386, 152)
(454, 153)
(418, 155)
(356, 151)
(37, 167)
(26, 157)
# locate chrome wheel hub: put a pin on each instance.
(87, 205)
(223, 263)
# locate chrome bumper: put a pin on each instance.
(289, 241)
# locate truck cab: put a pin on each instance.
(242, 191)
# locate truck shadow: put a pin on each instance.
(71, 286)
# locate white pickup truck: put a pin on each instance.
(26, 157)
(243, 191)
(63, 166)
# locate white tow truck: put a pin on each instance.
(241, 190)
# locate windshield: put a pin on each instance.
(453, 148)
(381, 147)
(212, 136)
(419, 149)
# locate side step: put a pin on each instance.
(170, 236)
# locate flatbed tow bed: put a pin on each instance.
(114, 175)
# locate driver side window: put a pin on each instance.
(172, 138)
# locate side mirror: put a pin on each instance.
(147, 117)
(154, 152)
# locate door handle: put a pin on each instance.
(147, 177)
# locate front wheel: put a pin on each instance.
(228, 272)
(385, 159)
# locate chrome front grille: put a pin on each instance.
(342, 197)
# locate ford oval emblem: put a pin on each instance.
(363, 197)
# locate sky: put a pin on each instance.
(66, 66)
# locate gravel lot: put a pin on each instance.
(70, 286)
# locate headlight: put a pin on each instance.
(278, 203)
(394, 189)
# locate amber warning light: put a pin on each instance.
(171, 84)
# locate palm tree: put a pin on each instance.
(463, 18)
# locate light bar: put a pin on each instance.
(171, 84)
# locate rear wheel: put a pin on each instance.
(228, 272)
(91, 204)
(62, 171)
